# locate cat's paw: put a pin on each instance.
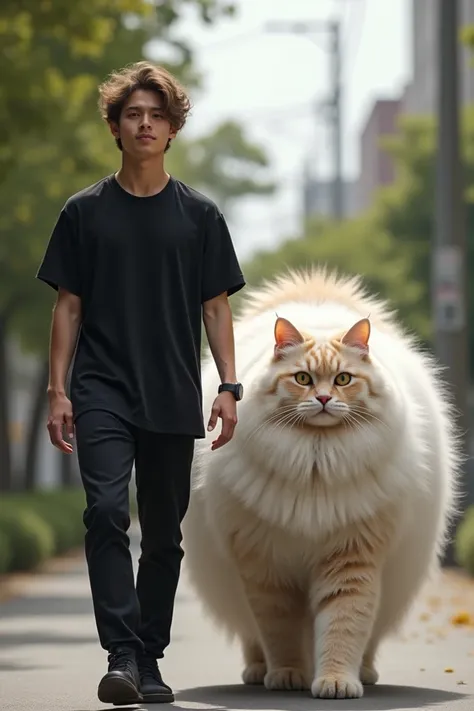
(337, 686)
(368, 675)
(286, 678)
(254, 673)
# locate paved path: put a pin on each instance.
(50, 659)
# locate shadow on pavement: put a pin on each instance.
(376, 698)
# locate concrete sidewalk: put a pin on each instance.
(50, 659)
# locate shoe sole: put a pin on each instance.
(118, 692)
(158, 698)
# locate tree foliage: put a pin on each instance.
(226, 163)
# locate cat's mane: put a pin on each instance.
(318, 285)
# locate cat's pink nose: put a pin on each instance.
(323, 399)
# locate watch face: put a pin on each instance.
(240, 391)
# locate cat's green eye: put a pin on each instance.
(303, 378)
(343, 379)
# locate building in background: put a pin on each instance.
(318, 197)
(376, 165)
(420, 97)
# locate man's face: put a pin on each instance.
(143, 129)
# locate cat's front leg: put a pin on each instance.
(344, 599)
(279, 614)
(255, 664)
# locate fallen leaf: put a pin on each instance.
(448, 670)
(462, 618)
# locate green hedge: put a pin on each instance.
(464, 543)
(35, 526)
(5, 553)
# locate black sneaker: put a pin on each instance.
(152, 687)
(121, 685)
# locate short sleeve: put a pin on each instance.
(60, 267)
(221, 269)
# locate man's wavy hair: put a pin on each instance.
(115, 90)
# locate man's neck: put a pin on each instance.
(142, 179)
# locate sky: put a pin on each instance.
(272, 83)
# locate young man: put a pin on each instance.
(139, 260)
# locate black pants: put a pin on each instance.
(127, 615)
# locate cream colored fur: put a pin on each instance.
(310, 544)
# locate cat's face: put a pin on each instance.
(324, 384)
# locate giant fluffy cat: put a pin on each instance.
(310, 533)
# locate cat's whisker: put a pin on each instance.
(357, 418)
(367, 415)
(278, 419)
(353, 422)
(288, 419)
(277, 413)
(298, 417)
(370, 419)
(280, 411)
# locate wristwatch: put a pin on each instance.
(236, 389)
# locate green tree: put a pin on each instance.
(356, 247)
(224, 162)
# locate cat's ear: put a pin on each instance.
(358, 336)
(285, 335)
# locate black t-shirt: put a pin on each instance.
(142, 266)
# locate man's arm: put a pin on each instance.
(217, 317)
(66, 322)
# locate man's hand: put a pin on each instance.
(224, 407)
(60, 416)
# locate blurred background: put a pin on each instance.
(336, 131)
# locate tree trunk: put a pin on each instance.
(36, 425)
(6, 479)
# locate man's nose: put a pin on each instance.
(146, 121)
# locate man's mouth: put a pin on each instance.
(146, 137)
